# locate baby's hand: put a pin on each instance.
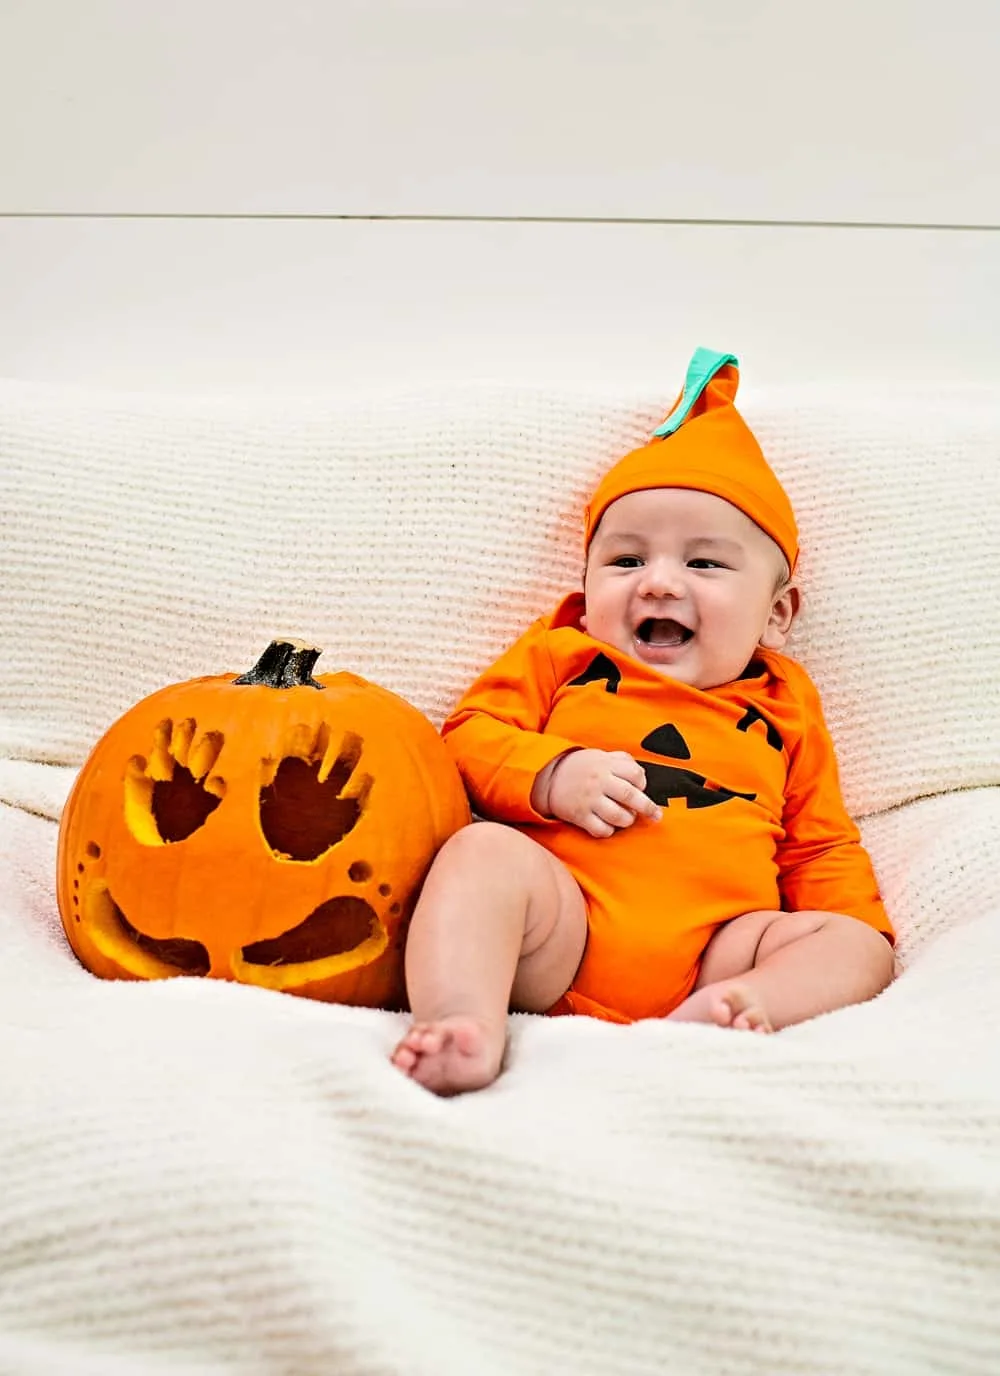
(597, 790)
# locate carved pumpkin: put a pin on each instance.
(270, 828)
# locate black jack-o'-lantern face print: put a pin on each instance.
(666, 783)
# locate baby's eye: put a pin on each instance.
(626, 561)
(705, 564)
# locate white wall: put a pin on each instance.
(313, 193)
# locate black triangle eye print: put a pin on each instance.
(600, 668)
(667, 740)
(750, 716)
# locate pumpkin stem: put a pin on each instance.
(284, 664)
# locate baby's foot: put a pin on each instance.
(451, 1055)
(726, 1004)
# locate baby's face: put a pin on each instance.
(685, 582)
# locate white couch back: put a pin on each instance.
(149, 539)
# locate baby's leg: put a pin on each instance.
(500, 923)
(767, 970)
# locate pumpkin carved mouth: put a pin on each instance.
(338, 926)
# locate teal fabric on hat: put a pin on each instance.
(704, 365)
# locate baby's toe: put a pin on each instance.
(751, 1020)
(403, 1058)
(429, 1039)
(721, 1012)
(424, 1039)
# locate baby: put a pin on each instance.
(667, 837)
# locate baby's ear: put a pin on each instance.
(583, 584)
(784, 610)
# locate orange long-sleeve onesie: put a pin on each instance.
(746, 776)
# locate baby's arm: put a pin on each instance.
(517, 770)
(599, 791)
(822, 865)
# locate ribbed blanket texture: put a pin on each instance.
(208, 1178)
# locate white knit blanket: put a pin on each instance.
(210, 1178)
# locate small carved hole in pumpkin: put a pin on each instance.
(338, 925)
(93, 850)
(301, 814)
(188, 957)
(360, 871)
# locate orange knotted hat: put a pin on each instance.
(705, 443)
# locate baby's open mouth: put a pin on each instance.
(657, 630)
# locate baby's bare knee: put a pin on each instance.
(847, 940)
(479, 842)
(872, 950)
(482, 853)
(780, 929)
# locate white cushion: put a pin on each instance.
(147, 540)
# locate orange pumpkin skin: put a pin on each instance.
(271, 833)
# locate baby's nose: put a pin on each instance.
(662, 578)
